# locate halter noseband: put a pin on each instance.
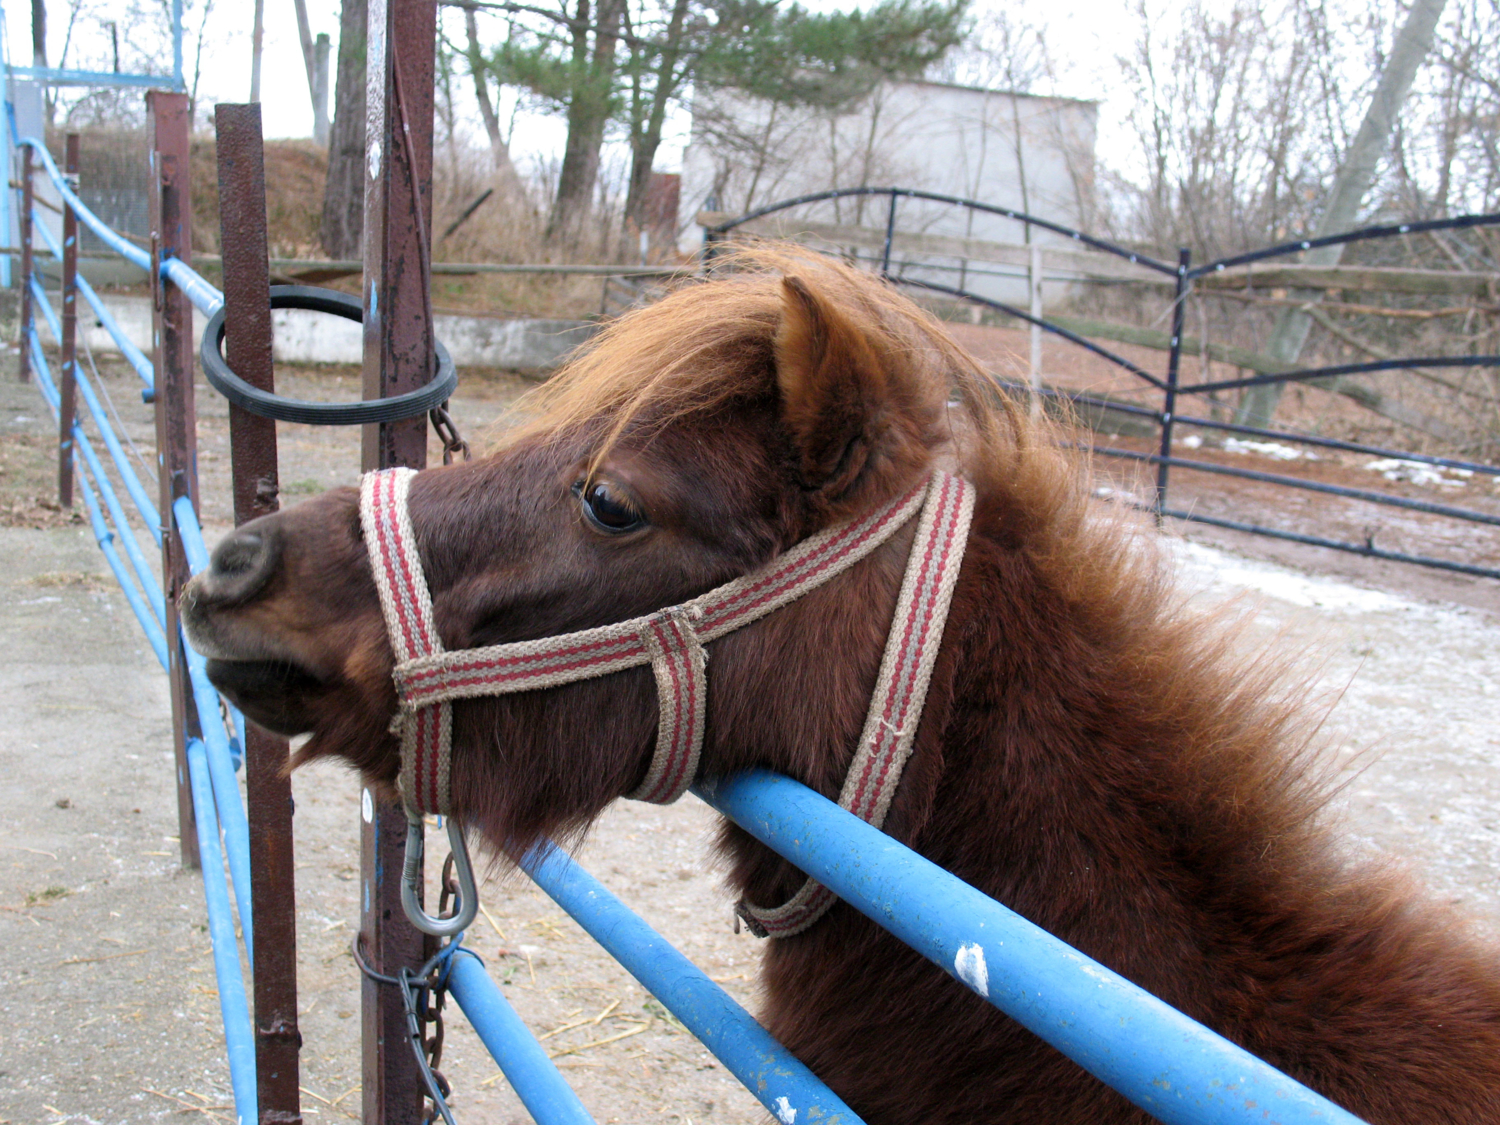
(428, 677)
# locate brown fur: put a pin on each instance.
(1088, 755)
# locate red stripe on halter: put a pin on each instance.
(911, 654)
(676, 756)
(430, 740)
(506, 681)
(836, 549)
(450, 674)
(685, 732)
(415, 629)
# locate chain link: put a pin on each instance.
(424, 993)
(447, 432)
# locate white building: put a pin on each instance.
(1032, 154)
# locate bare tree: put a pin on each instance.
(595, 35)
(343, 225)
(505, 169)
(1355, 177)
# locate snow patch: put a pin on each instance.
(1419, 472)
(970, 968)
(1272, 449)
(1203, 566)
(784, 1111)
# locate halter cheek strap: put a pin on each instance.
(428, 678)
(911, 650)
(426, 733)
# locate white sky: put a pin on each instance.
(1085, 33)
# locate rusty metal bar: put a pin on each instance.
(252, 452)
(68, 389)
(398, 357)
(176, 417)
(28, 314)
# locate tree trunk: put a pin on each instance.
(588, 113)
(506, 177)
(39, 33)
(344, 197)
(648, 139)
(1289, 333)
(257, 42)
(309, 57)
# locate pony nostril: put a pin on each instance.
(241, 564)
(237, 554)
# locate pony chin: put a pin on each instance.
(275, 694)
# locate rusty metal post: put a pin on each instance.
(252, 452)
(398, 357)
(28, 314)
(176, 416)
(68, 390)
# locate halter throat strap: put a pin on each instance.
(429, 678)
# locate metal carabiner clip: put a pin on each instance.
(465, 907)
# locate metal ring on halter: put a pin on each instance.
(412, 404)
(467, 904)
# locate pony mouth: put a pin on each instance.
(274, 694)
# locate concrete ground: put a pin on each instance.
(108, 1005)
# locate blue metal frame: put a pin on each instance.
(530, 1072)
(69, 76)
(54, 76)
(768, 1070)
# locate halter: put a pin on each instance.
(428, 677)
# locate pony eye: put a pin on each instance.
(607, 508)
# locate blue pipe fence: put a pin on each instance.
(211, 759)
(1176, 1069)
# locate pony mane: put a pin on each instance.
(710, 342)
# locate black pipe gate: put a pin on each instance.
(1183, 275)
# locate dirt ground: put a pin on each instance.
(108, 1010)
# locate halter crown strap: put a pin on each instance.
(911, 650)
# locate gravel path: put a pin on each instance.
(108, 1011)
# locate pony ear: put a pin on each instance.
(834, 391)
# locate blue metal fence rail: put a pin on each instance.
(1175, 1068)
(779, 1080)
(215, 793)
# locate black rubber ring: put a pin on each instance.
(412, 404)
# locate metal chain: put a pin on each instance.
(447, 431)
(424, 993)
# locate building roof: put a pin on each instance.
(988, 90)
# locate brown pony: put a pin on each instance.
(1087, 756)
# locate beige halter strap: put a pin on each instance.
(911, 649)
(428, 678)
